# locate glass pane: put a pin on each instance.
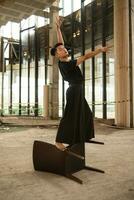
(6, 30)
(67, 7)
(24, 24)
(6, 92)
(110, 97)
(41, 81)
(98, 97)
(88, 82)
(32, 88)
(40, 21)
(24, 78)
(98, 66)
(15, 30)
(10, 30)
(15, 91)
(76, 6)
(24, 90)
(61, 12)
(98, 86)
(32, 71)
(110, 83)
(31, 20)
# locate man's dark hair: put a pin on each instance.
(53, 50)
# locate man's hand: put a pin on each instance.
(93, 53)
(106, 49)
(58, 22)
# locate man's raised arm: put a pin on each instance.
(92, 54)
(59, 34)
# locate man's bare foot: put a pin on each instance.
(60, 146)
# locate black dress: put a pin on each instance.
(76, 124)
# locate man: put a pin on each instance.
(76, 124)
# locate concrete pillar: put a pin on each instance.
(53, 70)
(0, 77)
(121, 46)
(132, 19)
(46, 101)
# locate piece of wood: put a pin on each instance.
(47, 157)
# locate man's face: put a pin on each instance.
(61, 52)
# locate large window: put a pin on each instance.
(97, 31)
(98, 86)
(22, 83)
(18, 82)
(110, 83)
(24, 75)
(88, 82)
(69, 6)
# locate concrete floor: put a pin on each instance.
(19, 181)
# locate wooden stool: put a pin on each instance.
(47, 157)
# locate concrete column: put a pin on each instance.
(0, 77)
(46, 101)
(132, 17)
(53, 70)
(121, 46)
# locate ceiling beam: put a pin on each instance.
(12, 19)
(31, 4)
(23, 9)
(18, 8)
(41, 13)
(6, 11)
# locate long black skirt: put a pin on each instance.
(76, 124)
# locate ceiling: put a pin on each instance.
(16, 10)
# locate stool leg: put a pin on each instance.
(94, 169)
(95, 142)
(75, 154)
(74, 178)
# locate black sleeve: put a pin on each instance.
(73, 63)
(70, 66)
